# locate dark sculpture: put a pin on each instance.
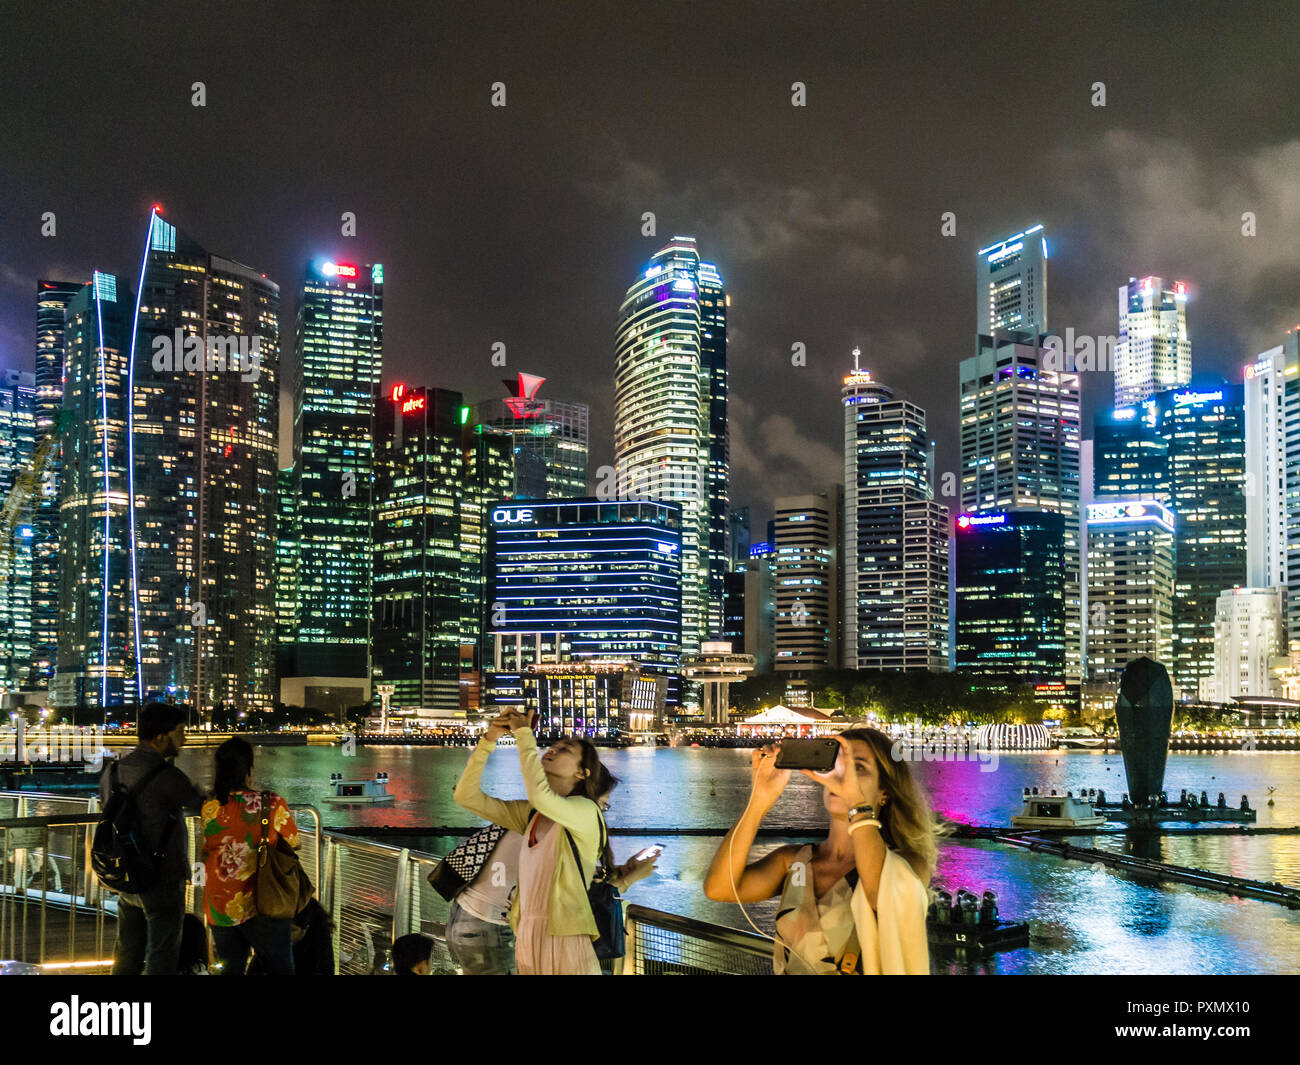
(1144, 712)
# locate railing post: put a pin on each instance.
(629, 947)
(401, 893)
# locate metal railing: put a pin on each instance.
(54, 914)
(667, 944)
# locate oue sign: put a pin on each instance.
(505, 516)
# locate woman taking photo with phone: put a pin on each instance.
(856, 902)
(551, 914)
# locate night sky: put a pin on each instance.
(522, 224)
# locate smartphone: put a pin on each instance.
(649, 852)
(818, 755)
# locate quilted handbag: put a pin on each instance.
(466, 861)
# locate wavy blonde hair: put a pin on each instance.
(906, 820)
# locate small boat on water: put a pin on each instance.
(349, 792)
(1056, 811)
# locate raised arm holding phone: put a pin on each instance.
(856, 902)
(551, 915)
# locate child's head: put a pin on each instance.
(194, 946)
(412, 954)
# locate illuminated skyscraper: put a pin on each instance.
(206, 434)
(336, 388)
(895, 540)
(96, 661)
(806, 582)
(1186, 448)
(1009, 577)
(51, 307)
(1130, 585)
(1272, 396)
(286, 570)
(1020, 434)
(487, 470)
(419, 491)
(545, 432)
(670, 428)
(1154, 352)
(17, 444)
(1011, 284)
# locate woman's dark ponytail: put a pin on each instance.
(596, 785)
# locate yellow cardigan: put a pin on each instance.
(570, 911)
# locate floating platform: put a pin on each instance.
(1154, 815)
(985, 938)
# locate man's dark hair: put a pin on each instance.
(409, 951)
(157, 719)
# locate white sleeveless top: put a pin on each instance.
(813, 933)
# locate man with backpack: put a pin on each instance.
(141, 848)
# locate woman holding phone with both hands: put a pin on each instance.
(551, 915)
(856, 902)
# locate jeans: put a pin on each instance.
(270, 937)
(149, 931)
(479, 947)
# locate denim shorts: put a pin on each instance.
(480, 948)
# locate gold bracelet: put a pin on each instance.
(862, 822)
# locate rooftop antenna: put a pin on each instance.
(856, 353)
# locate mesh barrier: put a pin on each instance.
(428, 913)
(363, 882)
(49, 907)
(667, 945)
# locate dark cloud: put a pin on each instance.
(523, 224)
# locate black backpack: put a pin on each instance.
(119, 854)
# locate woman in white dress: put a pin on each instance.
(856, 902)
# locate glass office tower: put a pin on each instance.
(419, 490)
(895, 539)
(205, 443)
(670, 424)
(549, 437)
(1186, 448)
(95, 666)
(51, 309)
(1011, 284)
(17, 445)
(1010, 585)
(1020, 433)
(336, 389)
(1154, 352)
(583, 580)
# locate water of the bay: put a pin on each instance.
(1083, 919)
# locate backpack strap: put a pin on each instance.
(604, 838)
(266, 829)
(141, 784)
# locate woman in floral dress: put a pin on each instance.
(232, 830)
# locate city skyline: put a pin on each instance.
(531, 228)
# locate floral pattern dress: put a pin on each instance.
(231, 833)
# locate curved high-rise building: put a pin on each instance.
(670, 416)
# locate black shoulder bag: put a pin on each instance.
(606, 903)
